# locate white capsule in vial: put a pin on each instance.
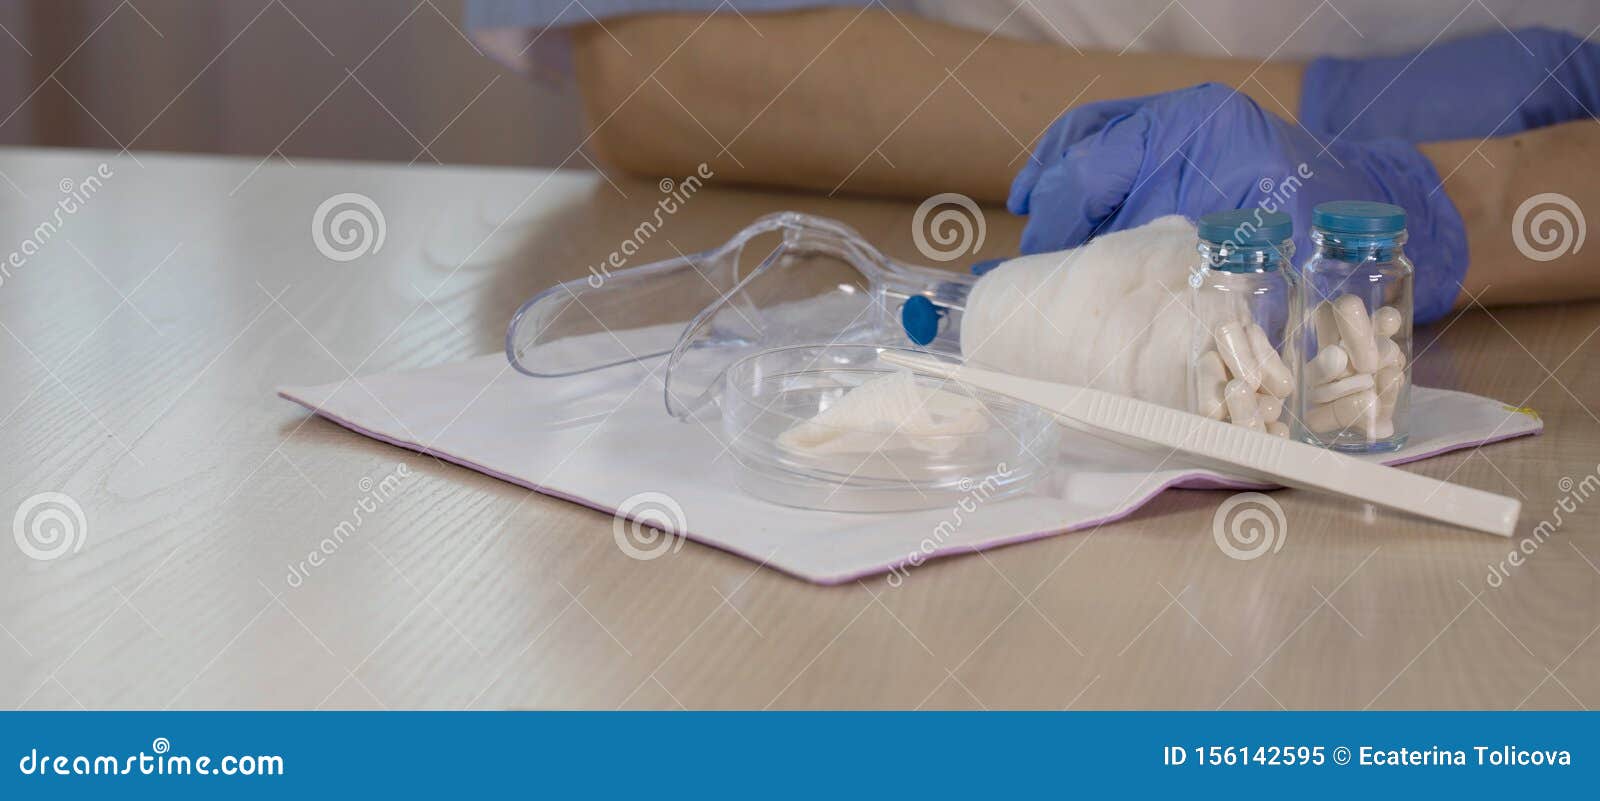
(1355, 411)
(1389, 381)
(1330, 363)
(1321, 419)
(1268, 407)
(1382, 428)
(1332, 391)
(1326, 328)
(1389, 354)
(1276, 379)
(1233, 345)
(1386, 321)
(1241, 400)
(1355, 333)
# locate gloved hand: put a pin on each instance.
(1492, 84)
(1209, 148)
(1062, 134)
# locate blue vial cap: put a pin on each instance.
(920, 318)
(1246, 227)
(1364, 217)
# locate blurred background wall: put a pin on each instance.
(364, 79)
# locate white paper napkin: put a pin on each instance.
(605, 440)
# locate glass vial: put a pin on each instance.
(1352, 342)
(1240, 297)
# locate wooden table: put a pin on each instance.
(144, 335)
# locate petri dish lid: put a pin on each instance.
(878, 466)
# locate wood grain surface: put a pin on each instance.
(144, 333)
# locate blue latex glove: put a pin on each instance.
(1209, 148)
(1065, 132)
(1492, 84)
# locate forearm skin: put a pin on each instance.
(858, 101)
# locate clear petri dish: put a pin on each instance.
(879, 468)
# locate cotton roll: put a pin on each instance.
(1110, 315)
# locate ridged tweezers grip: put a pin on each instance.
(1262, 455)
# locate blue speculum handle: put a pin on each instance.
(920, 318)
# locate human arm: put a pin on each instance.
(1489, 180)
(1208, 148)
(1490, 84)
(856, 100)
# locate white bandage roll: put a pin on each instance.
(1110, 315)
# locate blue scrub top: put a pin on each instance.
(543, 14)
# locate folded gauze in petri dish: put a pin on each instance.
(885, 412)
(1111, 314)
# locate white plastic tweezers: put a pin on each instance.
(1238, 450)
